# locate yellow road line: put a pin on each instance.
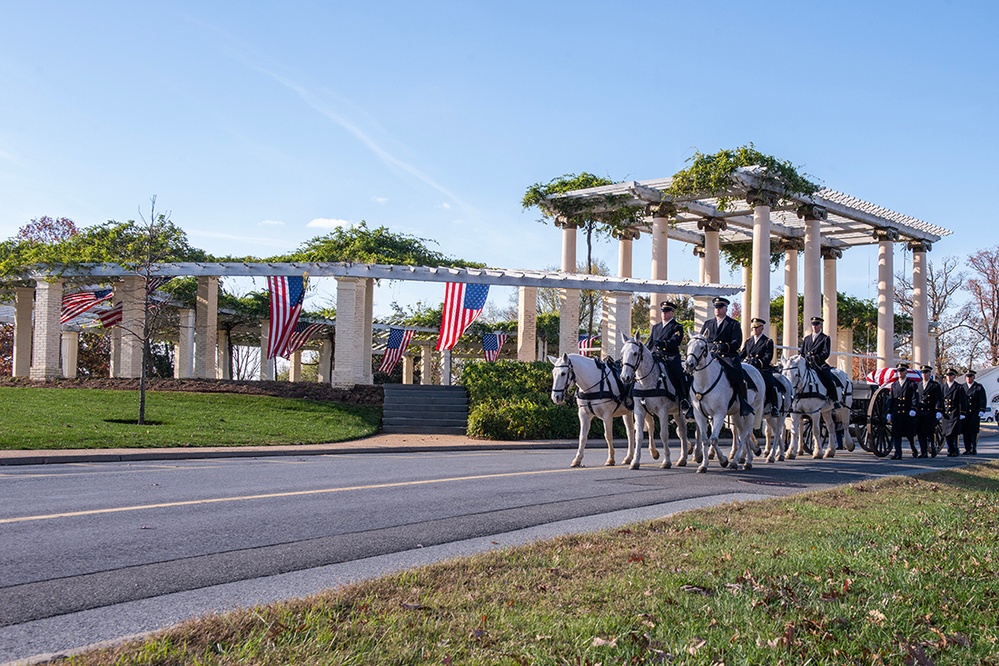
(297, 493)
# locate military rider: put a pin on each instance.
(759, 353)
(815, 348)
(665, 341)
(725, 335)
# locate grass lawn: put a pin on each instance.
(901, 570)
(41, 418)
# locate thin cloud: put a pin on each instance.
(329, 223)
(446, 206)
(380, 200)
(270, 223)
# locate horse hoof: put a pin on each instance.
(748, 466)
(681, 463)
(702, 469)
(634, 466)
(609, 463)
(850, 447)
(655, 454)
(830, 453)
(627, 461)
(723, 462)
(576, 463)
(666, 464)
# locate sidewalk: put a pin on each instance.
(374, 444)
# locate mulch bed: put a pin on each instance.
(360, 394)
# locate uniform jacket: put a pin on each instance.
(726, 336)
(955, 403)
(929, 402)
(815, 348)
(902, 399)
(976, 404)
(759, 353)
(666, 338)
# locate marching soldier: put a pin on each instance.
(816, 348)
(929, 411)
(725, 334)
(902, 411)
(759, 353)
(955, 410)
(976, 410)
(665, 341)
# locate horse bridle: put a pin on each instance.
(641, 355)
(698, 359)
(569, 378)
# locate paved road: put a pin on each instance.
(94, 551)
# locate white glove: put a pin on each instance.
(939, 416)
(981, 415)
(888, 418)
(912, 412)
(961, 417)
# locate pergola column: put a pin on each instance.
(886, 292)
(921, 351)
(426, 363)
(223, 368)
(351, 354)
(133, 310)
(46, 340)
(407, 369)
(761, 202)
(324, 373)
(700, 304)
(619, 312)
(813, 216)
(790, 333)
(184, 362)
(295, 369)
(367, 373)
(830, 304)
(206, 325)
(747, 302)
(527, 323)
(844, 345)
(70, 353)
(712, 259)
(568, 324)
(24, 301)
(114, 362)
(660, 246)
(266, 364)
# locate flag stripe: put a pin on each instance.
(74, 305)
(492, 344)
(303, 333)
(286, 296)
(398, 340)
(463, 303)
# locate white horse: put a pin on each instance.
(714, 399)
(773, 426)
(813, 400)
(598, 396)
(651, 388)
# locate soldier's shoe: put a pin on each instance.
(745, 409)
(933, 452)
(921, 455)
(774, 412)
(897, 456)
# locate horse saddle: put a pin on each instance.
(623, 393)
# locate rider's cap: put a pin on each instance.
(951, 372)
(720, 302)
(817, 320)
(667, 306)
(970, 373)
(756, 321)
(926, 368)
(902, 366)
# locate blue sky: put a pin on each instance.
(258, 125)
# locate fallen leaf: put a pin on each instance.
(877, 617)
(604, 642)
(695, 590)
(696, 645)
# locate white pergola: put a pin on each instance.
(821, 226)
(42, 345)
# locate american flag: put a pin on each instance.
(492, 343)
(398, 340)
(287, 294)
(74, 305)
(462, 304)
(586, 341)
(112, 317)
(302, 333)
(888, 375)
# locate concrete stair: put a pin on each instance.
(425, 410)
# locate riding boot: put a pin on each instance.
(774, 402)
(745, 409)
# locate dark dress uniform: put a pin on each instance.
(929, 403)
(726, 339)
(955, 411)
(665, 341)
(973, 423)
(902, 400)
(759, 353)
(816, 348)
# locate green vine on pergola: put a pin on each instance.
(711, 176)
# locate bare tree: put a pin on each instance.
(943, 282)
(982, 311)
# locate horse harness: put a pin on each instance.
(604, 391)
(660, 391)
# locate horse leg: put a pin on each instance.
(663, 415)
(650, 426)
(635, 436)
(713, 442)
(631, 428)
(681, 433)
(844, 420)
(831, 429)
(584, 433)
(795, 447)
(609, 438)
